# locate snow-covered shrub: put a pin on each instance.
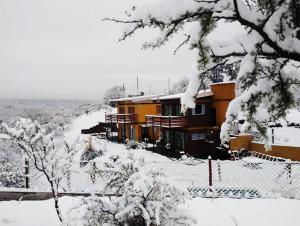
(90, 152)
(11, 175)
(148, 199)
(116, 171)
(49, 154)
(132, 144)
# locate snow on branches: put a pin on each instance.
(147, 199)
(268, 49)
(49, 154)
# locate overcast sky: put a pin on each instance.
(60, 49)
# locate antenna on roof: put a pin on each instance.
(137, 85)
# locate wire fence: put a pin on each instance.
(247, 178)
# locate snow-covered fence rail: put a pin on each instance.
(248, 178)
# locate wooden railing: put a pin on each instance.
(166, 121)
(120, 118)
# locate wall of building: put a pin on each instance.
(223, 94)
(245, 142)
(140, 109)
(288, 152)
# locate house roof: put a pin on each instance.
(201, 93)
(138, 98)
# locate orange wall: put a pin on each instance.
(288, 152)
(245, 141)
(240, 142)
(141, 109)
(223, 94)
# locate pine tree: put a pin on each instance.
(266, 56)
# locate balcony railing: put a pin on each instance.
(120, 118)
(166, 121)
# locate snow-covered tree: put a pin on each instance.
(113, 93)
(267, 51)
(147, 199)
(49, 154)
(180, 86)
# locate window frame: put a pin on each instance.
(198, 136)
(203, 110)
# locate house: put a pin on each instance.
(197, 133)
(130, 118)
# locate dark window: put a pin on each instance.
(199, 109)
(177, 110)
(167, 110)
(198, 136)
(131, 110)
(121, 110)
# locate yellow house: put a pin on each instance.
(130, 117)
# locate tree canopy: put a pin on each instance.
(267, 55)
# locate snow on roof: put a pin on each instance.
(219, 83)
(138, 98)
(201, 93)
(173, 96)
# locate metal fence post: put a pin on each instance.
(289, 172)
(273, 139)
(26, 168)
(209, 174)
(219, 170)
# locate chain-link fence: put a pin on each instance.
(246, 178)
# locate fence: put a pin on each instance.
(248, 178)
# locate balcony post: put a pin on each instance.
(153, 131)
(169, 121)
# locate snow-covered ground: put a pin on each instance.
(221, 211)
(217, 212)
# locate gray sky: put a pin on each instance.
(61, 49)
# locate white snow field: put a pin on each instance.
(268, 178)
(208, 212)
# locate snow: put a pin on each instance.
(246, 212)
(85, 121)
(288, 136)
(201, 93)
(138, 98)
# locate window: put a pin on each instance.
(131, 110)
(121, 110)
(132, 133)
(167, 110)
(199, 109)
(177, 110)
(198, 136)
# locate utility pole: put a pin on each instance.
(169, 86)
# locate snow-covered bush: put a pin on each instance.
(90, 152)
(11, 175)
(132, 144)
(148, 199)
(116, 171)
(49, 154)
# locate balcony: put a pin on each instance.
(166, 121)
(120, 118)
